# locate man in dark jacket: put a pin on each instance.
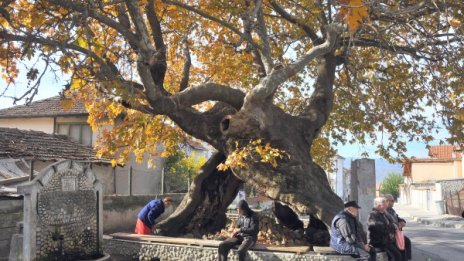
(344, 236)
(244, 234)
(381, 229)
(400, 223)
(148, 214)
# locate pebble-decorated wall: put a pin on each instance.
(67, 224)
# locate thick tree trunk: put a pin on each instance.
(202, 211)
(296, 181)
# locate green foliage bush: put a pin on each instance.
(181, 169)
(390, 185)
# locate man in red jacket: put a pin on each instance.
(148, 214)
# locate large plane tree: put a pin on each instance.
(272, 85)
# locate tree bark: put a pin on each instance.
(202, 211)
(296, 181)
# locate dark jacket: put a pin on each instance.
(151, 211)
(396, 219)
(249, 222)
(380, 229)
(344, 234)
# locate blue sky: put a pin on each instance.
(50, 87)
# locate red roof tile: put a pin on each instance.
(444, 152)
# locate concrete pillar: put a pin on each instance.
(339, 176)
(29, 190)
(363, 186)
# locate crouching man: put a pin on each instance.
(344, 236)
(244, 234)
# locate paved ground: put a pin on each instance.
(434, 237)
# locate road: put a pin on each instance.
(433, 243)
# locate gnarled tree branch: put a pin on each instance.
(269, 84)
(294, 20)
(209, 92)
(261, 29)
(187, 64)
(124, 31)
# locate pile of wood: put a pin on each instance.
(270, 232)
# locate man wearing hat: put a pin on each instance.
(244, 234)
(344, 236)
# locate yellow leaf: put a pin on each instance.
(455, 23)
(67, 104)
(354, 12)
(114, 163)
(82, 42)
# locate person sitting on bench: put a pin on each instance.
(344, 236)
(244, 234)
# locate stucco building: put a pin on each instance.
(49, 116)
(435, 183)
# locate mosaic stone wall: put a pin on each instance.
(67, 207)
(127, 250)
(451, 186)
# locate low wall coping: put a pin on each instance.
(145, 247)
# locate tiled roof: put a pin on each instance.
(44, 108)
(15, 143)
(444, 152)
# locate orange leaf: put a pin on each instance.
(455, 23)
(353, 12)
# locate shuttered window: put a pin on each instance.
(80, 132)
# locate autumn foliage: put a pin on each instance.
(398, 63)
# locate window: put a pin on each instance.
(79, 132)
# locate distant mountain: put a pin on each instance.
(382, 168)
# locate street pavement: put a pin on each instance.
(434, 237)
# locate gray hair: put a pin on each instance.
(388, 196)
(378, 201)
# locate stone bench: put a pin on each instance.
(322, 250)
(150, 247)
(204, 242)
(380, 255)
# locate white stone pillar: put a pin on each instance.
(29, 190)
(339, 176)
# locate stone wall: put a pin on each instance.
(11, 212)
(62, 213)
(451, 186)
(119, 215)
(125, 250)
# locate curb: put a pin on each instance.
(438, 223)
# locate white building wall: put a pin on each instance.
(145, 180)
(36, 124)
(427, 198)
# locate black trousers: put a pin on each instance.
(406, 253)
(226, 245)
(392, 252)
